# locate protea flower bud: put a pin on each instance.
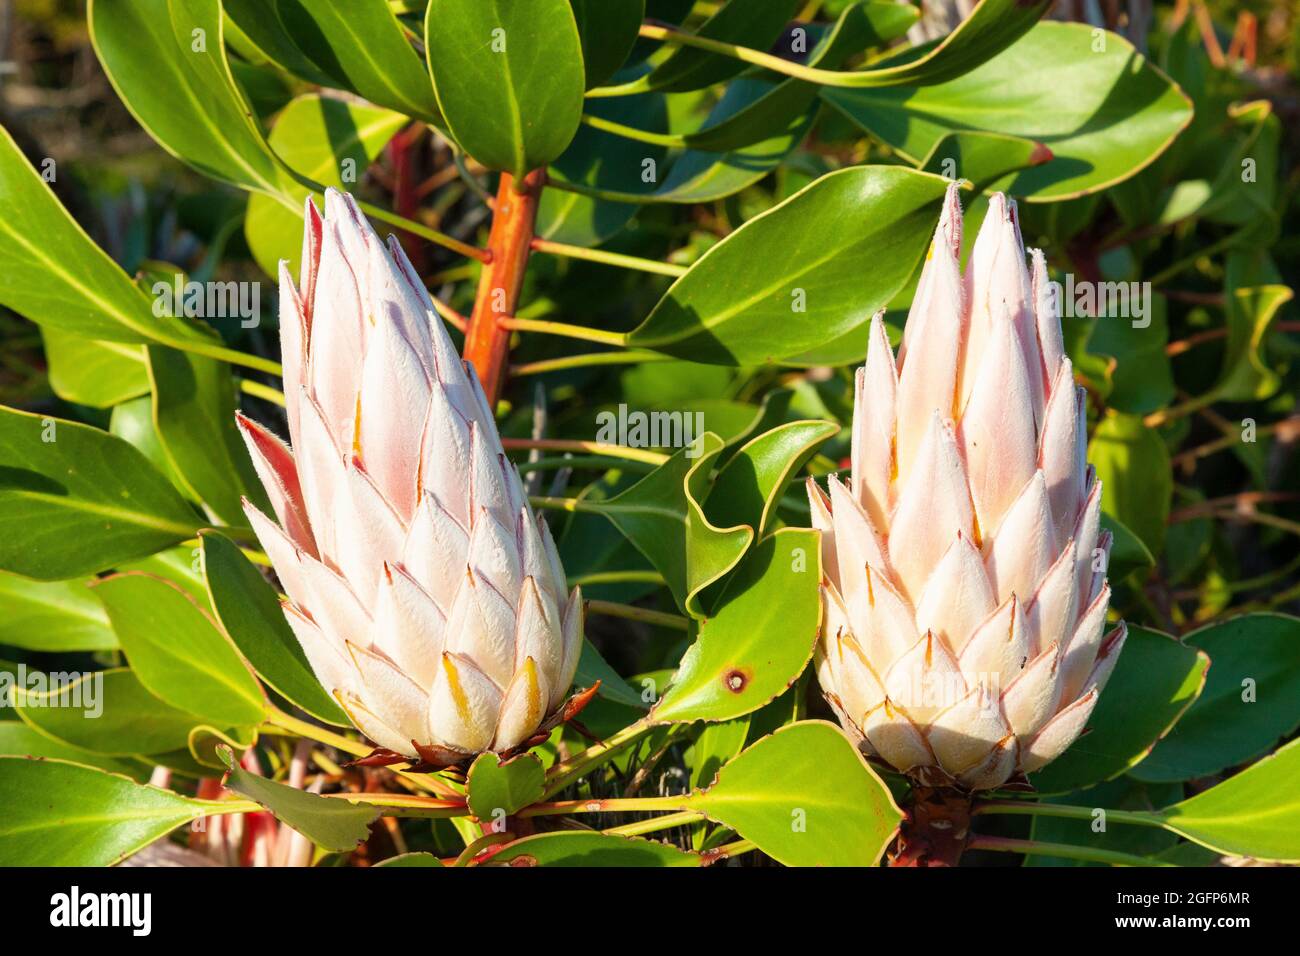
(428, 597)
(964, 592)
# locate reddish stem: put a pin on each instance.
(936, 830)
(403, 155)
(509, 242)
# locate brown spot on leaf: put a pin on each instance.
(735, 680)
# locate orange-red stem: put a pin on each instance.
(509, 242)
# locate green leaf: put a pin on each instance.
(588, 849)
(334, 824)
(19, 740)
(750, 23)
(52, 273)
(129, 720)
(1255, 813)
(1132, 463)
(167, 61)
(248, 610)
(319, 137)
(859, 27)
(592, 667)
(662, 517)
(1165, 676)
(62, 814)
(1246, 376)
(805, 797)
(1140, 376)
(509, 78)
(75, 500)
(983, 158)
(758, 639)
(52, 616)
(1127, 552)
(411, 859)
(1251, 699)
(700, 176)
(1105, 114)
(1120, 794)
(358, 45)
(194, 412)
(88, 372)
(750, 485)
(716, 744)
(871, 222)
(499, 788)
(178, 653)
(600, 160)
(608, 29)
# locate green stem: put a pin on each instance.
(734, 848)
(1187, 262)
(671, 140)
(612, 805)
(564, 329)
(605, 449)
(629, 357)
(302, 728)
(566, 772)
(654, 824)
(603, 256)
(599, 462)
(481, 844)
(264, 392)
(221, 353)
(1037, 808)
(674, 621)
(389, 807)
(1064, 850)
(618, 577)
(571, 505)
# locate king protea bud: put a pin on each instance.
(964, 592)
(427, 596)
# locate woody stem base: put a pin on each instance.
(936, 829)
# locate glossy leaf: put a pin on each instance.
(714, 747)
(860, 26)
(758, 639)
(499, 788)
(751, 23)
(336, 825)
(89, 372)
(662, 517)
(358, 45)
(1251, 312)
(1153, 668)
(167, 62)
(75, 500)
(177, 651)
(412, 860)
(194, 411)
(509, 78)
(608, 29)
(248, 609)
(983, 158)
(130, 720)
(52, 616)
(62, 814)
(1132, 463)
(19, 740)
(1127, 553)
(592, 667)
(1251, 699)
(1104, 114)
(805, 797)
(871, 222)
(1255, 813)
(587, 849)
(753, 480)
(321, 138)
(52, 273)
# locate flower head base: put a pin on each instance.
(427, 596)
(964, 592)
